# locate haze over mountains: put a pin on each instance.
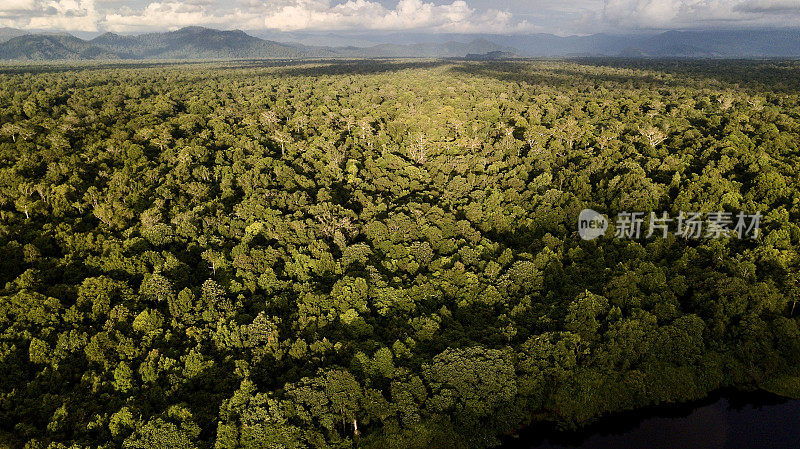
(206, 43)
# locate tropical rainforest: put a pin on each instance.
(384, 254)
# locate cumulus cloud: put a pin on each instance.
(450, 16)
(284, 15)
(158, 15)
(457, 16)
(71, 15)
(13, 6)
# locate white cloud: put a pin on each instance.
(11, 6)
(457, 16)
(492, 21)
(293, 15)
(170, 15)
(70, 15)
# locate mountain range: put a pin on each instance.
(206, 43)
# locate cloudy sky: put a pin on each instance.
(456, 16)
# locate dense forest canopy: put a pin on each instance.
(384, 253)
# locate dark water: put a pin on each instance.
(726, 420)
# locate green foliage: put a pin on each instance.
(383, 253)
(473, 381)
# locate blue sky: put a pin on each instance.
(437, 16)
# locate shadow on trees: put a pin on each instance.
(357, 67)
(771, 75)
(754, 75)
(289, 67)
(766, 76)
(560, 74)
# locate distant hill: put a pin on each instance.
(51, 47)
(490, 56)
(196, 43)
(741, 43)
(432, 50)
(7, 33)
(688, 44)
(206, 43)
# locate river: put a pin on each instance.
(725, 420)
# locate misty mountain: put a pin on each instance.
(448, 49)
(737, 43)
(7, 33)
(51, 47)
(206, 43)
(688, 44)
(196, 43)
(682, 44)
